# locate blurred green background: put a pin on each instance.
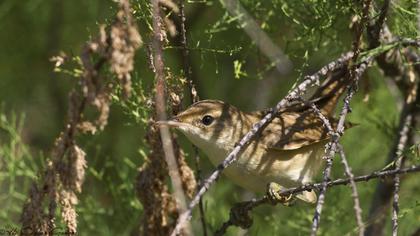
(226, 65)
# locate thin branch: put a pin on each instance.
(359, 30)
(345, 181)
(405, 128)
(331, 149)
(395, 70)
(385, 191)
(332, 146)
(199, 181)
(355, 194)
(161, 109)
(250, 205)
(185, 55)
(194, 98)
(398, 163)
(318, 112)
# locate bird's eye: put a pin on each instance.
(207, 120)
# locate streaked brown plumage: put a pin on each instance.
(288, 151)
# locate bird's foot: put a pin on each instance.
(273, 193)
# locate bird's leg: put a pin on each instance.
(273, 193)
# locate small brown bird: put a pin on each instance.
(287, 153)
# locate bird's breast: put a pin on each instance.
(255, 167)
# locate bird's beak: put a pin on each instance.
(174, 122)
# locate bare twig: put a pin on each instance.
(398, 163)
(250, 205)
(329, 152)
(404, 132)
(258, 36)
(331, 149)
(199, 181)
(318, 112)
(185, 55)
(383, 191)
(194, 98)
(355, 194)
(394, 69)
(332, 146)
(374, 175)
(161, 109)
(360, 26)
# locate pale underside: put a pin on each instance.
(289, 168)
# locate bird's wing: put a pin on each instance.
(291, 130)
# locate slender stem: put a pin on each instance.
(165, 134)
(194, 98)
(355, 194)
(394, 69)
(332, 146)
(402, 143)
(250, 205)
(355, 74)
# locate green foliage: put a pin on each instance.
(403, 18)
(138, 107)
(18, 168)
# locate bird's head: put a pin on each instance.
(206, 123)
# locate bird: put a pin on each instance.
(286, 153)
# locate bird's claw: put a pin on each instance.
(273, 193)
